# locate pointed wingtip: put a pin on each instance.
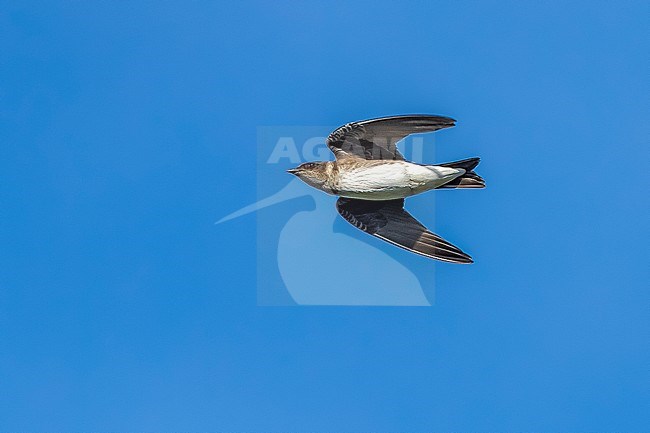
(466, 259)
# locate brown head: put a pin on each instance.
(312, 173)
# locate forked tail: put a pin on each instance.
(469, 179)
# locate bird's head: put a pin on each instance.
(312, 173)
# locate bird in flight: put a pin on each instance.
(372, 179)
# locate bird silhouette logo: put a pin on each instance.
(307, 247)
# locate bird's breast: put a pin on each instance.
(374, 181)
(387, 180)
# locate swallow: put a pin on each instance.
(372, 179)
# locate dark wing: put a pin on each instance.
(389, 221)
(376, 138)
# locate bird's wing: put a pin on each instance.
(377, 138)
(388, 221)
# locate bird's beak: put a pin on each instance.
(292, 170)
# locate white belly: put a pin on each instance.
(393, 180)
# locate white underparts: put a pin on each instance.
(392, 180)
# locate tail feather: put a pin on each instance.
(468, 180)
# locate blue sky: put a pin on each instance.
(127, 129)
